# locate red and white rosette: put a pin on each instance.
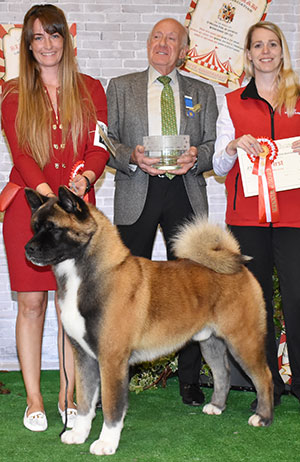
(268, 210)
(77, 169)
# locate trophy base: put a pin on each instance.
(166, 167)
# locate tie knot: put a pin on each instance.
(164, 79)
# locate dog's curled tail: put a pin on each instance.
(210, 245)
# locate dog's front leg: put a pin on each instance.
(109, 438)
(87, 394)
(114, 392)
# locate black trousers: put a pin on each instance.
(167, 205)
(280, 247)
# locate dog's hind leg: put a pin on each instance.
(252, 359)
(114, 393)
(214, 352)
(262, 380)
(87, 394)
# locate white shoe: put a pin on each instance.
(36, 421)
(71, 416)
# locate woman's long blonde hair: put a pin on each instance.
(34, 117)
(287, 79)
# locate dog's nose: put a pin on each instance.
(29, 248)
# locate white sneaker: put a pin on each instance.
(36, 421)
(71, 416)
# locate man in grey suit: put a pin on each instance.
(144, 198)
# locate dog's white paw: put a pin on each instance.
(211, 409)
(256, 421)
(73, 437)
(102, 448)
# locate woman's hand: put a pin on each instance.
(79, 184)
(246, 142)
(296, 146)
(45, 190)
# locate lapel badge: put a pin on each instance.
(190, 109)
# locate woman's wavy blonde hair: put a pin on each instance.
(287, 79)
(34, 117)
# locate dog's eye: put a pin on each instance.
(36, 227)
(43, 226)
(49, 226)
(54, 230)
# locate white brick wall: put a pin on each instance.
(111, 38)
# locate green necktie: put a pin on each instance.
(167, 103)
(168, 112)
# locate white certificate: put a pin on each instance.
(286, 168)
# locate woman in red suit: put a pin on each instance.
(269, 106)
(49, 117)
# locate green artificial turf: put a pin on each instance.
(158, 428)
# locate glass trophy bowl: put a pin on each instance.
(168, 148)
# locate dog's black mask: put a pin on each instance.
(57, 224)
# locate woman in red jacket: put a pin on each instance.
(269, 106)
(49, 116)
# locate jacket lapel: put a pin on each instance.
(184, 90)
(140, 101)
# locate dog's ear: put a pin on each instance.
(35, 200)
(72, 203)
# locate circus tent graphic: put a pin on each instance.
(193, 53)
(228, 67)
(209, 65)
(211, 61)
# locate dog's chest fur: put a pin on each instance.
(73, 321)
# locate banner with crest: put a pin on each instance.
(10, 36)
(217, 31)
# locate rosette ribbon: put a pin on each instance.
(77, 169)
(283, 359)
(268, 210)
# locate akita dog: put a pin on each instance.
(118, 309)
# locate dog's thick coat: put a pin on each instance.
(119, 309)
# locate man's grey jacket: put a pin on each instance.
(128, 123)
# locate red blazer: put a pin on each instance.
(251, 114)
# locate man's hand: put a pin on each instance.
(186, 161)
(144, 162)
